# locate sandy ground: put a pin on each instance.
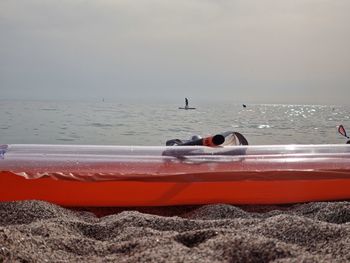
(35, 231)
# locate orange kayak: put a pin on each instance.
(87, 175)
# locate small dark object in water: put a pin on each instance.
(244, 106)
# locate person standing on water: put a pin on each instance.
(186, 103)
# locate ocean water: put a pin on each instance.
(107, 123)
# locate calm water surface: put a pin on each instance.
(153, 124)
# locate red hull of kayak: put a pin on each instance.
(132, 193)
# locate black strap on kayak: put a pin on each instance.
(342, 131)
(173, 142)
(241, 138)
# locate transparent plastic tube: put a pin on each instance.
(99, 163)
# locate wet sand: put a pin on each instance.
(35, 231)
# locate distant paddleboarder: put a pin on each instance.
(187, 107)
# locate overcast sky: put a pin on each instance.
(249, 51)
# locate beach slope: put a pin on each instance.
(35, 231)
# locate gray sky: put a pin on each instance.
(249, 51)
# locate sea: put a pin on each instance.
(150, 123)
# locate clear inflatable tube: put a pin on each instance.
(77, 175)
